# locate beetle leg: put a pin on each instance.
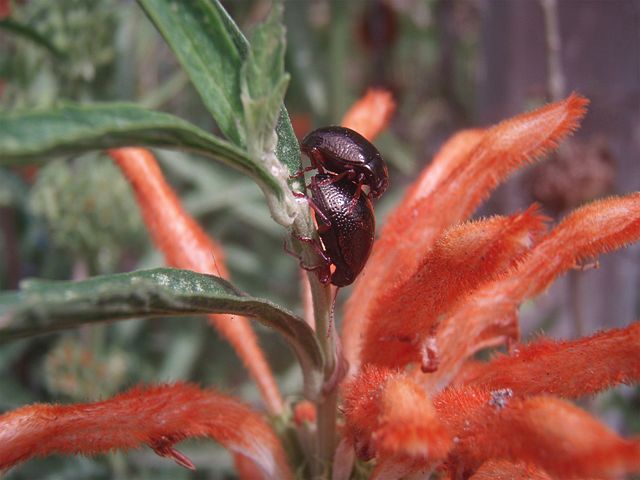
(316, 160)
(356, 197)
(316, 246)
(326, 223)
(332, 179)
(301, 172)
(322, 270)
(319, 214)
(299, 194)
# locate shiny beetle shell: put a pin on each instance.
(342, 150)
(348, 238)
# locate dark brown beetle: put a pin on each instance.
(346, 228)
(346, 153)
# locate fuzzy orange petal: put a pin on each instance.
(596, 228)
(362, 407)
(390, 417)
(450, 158)
(405, 316)
(505, 470)
(479, 165)
(185, 245)
(246, 469)
(157, 416)
(562, 439)
(408, 426)
(568, 369)
(370, 115)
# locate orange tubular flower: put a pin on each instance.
(392, 417)
(404, 318)
(432, 294)
(569, 369)
(466, 175)
(370, 115)
(157, 417)
(476, 323)
(185, 245)
(559, 437)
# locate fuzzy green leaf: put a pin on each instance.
(288, 149)
(73, 129)
(200, 33)
(212, 50)
(264, 82)
(48, 306)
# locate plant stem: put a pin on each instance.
(327, 405)
(321, 295)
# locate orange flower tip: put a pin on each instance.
(178, 457)
(304, 412)
(370, 115)
(576, 108)
(577, 105)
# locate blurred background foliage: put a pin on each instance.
(450, 63)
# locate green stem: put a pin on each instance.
(326, 402)
(327, 405)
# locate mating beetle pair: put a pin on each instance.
(346, 162)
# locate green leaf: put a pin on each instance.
(25, 31)
(212, 50)
(73, 129)
(264, 82)
(49, 306)
(288, 149)
(198, 32)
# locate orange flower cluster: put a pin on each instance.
(437, 289)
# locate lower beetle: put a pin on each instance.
(346, 225)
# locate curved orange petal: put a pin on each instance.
(408, 427)
(505, 470)
(246, 469)
(449, 159)
(185, 245)
(479, 164)
(370, 115)
(552, 433)
(595, 228)
(404, 317)
(362, 408)
(390, 417)
(158, 417)
(568, 369)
